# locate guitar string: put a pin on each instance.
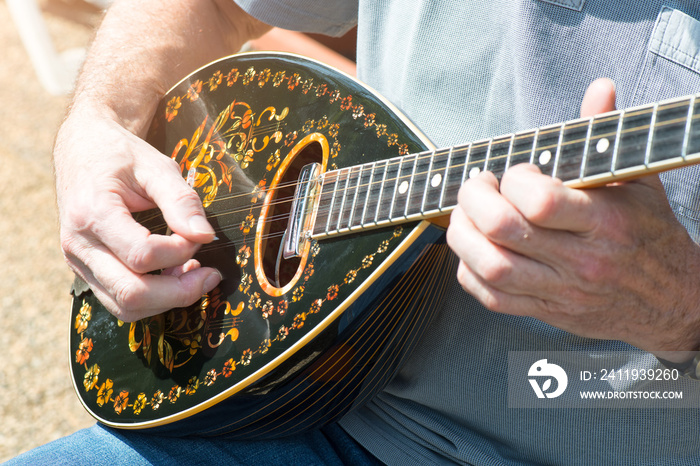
(224, 324)
(271, 128)
(353, 176)
(555, 129)
(295, 182)
(282, 216)
(481, 161)
(474, 146)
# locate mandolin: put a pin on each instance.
(324, 199)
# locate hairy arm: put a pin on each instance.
(143, 48)
(105, 171)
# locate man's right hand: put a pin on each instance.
(103, 174)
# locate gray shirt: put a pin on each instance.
(466, 70)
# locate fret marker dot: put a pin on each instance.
(474, 172)
(403, 187)
(545, 157)
(436, 180)
(602, 145)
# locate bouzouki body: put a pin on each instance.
(283, 345)
(319, 191)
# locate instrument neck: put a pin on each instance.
(587, 152)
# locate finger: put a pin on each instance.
(497, 267)
(527, 203)
(545, 202)
(180, 269)
(495, 299)
(599, 98)
(514, 223)
(131, 296)
(161, 179)
(134, 245)
(493, 215)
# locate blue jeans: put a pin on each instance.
(100, 445)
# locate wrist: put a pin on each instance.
(134, 115)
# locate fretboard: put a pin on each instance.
(582, 153)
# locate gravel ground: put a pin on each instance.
(37, 403)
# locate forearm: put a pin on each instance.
(144, 47)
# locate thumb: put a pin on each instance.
(599, 98)
(182, 208)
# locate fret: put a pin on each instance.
(465, 166)
(557, 157)
(323, 214)
(441, 204)
(374, 190)
(386, 194)
(601, 144)
(693, 146)
(572, 149)
(360, 203)
(533, 151)
(414, 170)
(350, 198)
(499, 156)
(634, 139)
(477, 158)
(669, 131)
(455, 175)
(420, 178)
(338, 200)
(650, 136)
(586, 148)
(523, 148)
(688, 124)
(616, 146)
(435, 181)
(509, 156)
(546, 149)
(395, 176)
(408, 165)
(488, 154)
(427, 183)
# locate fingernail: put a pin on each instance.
(199, 224)
(211, 281)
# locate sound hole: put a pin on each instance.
(279, 271)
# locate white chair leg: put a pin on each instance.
(55, 71)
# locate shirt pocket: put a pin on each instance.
(576, 5)
(672, 63)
